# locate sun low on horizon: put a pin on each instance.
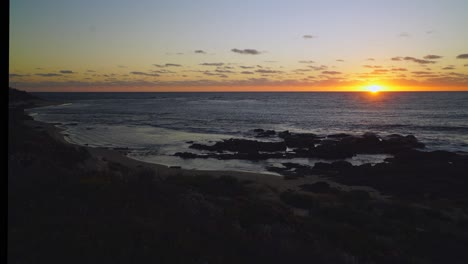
(182, 46)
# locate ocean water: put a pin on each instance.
(156, 125)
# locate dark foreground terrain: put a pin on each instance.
(61, 209)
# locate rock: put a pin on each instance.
(284, 134)
(341, 165)
(318, 187)
(264, 133)
(304, 140)
(186, 155)
(242, 146)
(339, 135)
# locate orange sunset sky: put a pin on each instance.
(207, 45)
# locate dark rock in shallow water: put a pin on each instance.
(304, 140)
(242, 146)
(339, 135)
(332, 151)
(187, 155)
(318, 187)
(394, 143)
(264, 133)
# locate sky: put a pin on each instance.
(251, 45)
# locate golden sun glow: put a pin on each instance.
(374, 88)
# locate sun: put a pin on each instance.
(374, 88)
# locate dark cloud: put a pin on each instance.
(200, 52)
(212, 64)
(223, 71)
(164, 71)
(247, 67)
(144, 73)
(247, 72)
(432, 57)
(462, 56)
(466, 65)
(399, 69)
(318, 68)
(247, 51)
(450, 67)
(48, 74)
(331, 72)
(12, 75)
(372, 66)
(404, 35)
(167, 65)
(267, 71)
(66, 72)
(379, 71)
(397, 58)
(307, 61)
(421, 72)
(340, 60)
(302, 70)
(308, 37)
(416, 60)
(215, 74)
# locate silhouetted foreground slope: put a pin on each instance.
(65, 206)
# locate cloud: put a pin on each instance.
(421, 72)
(331, 72)
(462, 56)
(466, 65)
(48, 74)
(66, 72)
(318, 68)
(370, 59)
(340, 60)
(267, 71)
(90, 71)
(404, 35)
(144, 73)
(121, 66)
(13, 75)
(432, 57)
(212, 64)
(247, 67)
(450, 67)
(223, 71)
(396, 58)
(215, 74)
(302, 70)
(308, 37)
(379, 71)
(420, 61)
(399, 69)
(306, 61)
(372, 66)
(200, 52)
(246, 51)
(247, 72)
(167, 65)
(430, 31)
(163, 71)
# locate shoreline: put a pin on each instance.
(276, 182)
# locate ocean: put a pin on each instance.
(153, 126)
